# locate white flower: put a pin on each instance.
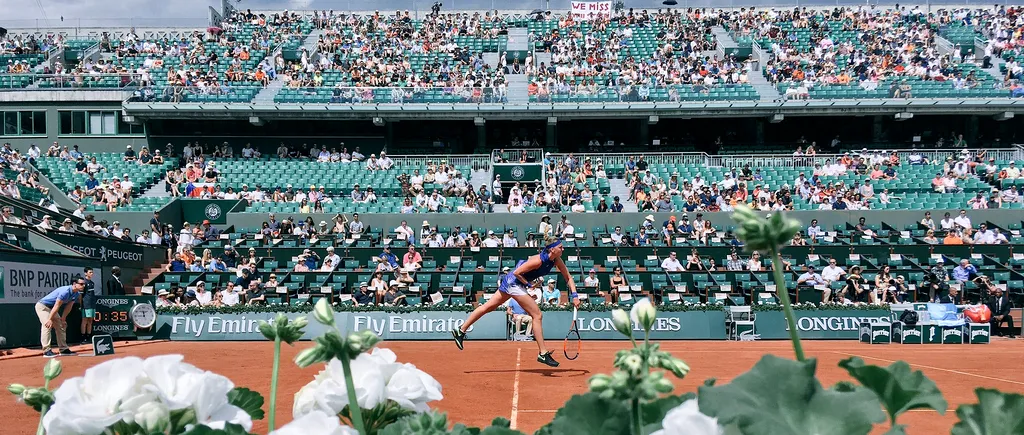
(181, 385)
(412, 388)
(88, 404)
(133, 390)
(620, 319)
(377, 377)
(328, 392)
(643, 313)
(315, 423)
(686, 419)
(153, 417)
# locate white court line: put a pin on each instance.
(934, 368)
(515, 391)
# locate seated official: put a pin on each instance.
(999, 304)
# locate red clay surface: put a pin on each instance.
(492, 379)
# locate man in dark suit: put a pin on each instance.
(953, 297)
(999, 303)
(113, 285)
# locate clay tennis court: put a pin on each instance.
(492, 379)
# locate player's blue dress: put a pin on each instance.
(511, 285)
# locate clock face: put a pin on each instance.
(143, 315)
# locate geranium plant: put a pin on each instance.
(363, 390)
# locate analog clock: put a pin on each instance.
(143, 315)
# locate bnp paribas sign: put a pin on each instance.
(818, 324)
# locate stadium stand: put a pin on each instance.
(678, 247)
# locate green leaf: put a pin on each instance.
(229, 429)
(501, 422)
(996, 413)
(382, 415)
(428, 423)
(781, 396)
(250, 401)
(654, 412)
(588, 414)
(181, 418)
(899, 389)
(495, 430)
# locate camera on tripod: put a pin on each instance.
(436, 8)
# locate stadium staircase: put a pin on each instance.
(766, 90)
(148, 274)
(726, 44)
(158, 189)
(517, 93)
(619, 188)
(267, 94)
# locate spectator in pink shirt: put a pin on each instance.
(412, 260)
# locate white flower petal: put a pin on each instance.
(315, 423)
(686, 419)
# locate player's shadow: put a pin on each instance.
(552, 373)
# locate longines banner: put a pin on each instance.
(670, 325)
(435, 325)
(823, 324)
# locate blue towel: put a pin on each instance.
(944, 315)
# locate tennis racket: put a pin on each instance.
(572, 344)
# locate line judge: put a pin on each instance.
(49, 310)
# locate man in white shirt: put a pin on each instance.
(814, 230)
(229, 296)
(203, 297)
(962, 221)
(335, 259)
(491, 241)
(510, 240)
(671, 264)
(1012, 172)
(947, 223)
(568, 230)
(404, 230)
(617, 236)
(832, 272)
(984, 236)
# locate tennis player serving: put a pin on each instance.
(514, 284)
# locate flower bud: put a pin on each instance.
(16, 389)
(299, 322)
(600, 383)
(621, 322)
(312, 356)
(268, 330)
(644, 313)
(633, 364)
(323, 312)
(52, 369)
(37, 397)
(663, 386)
(153, 417)
(676, 366)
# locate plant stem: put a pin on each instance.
(273, 383)
(353, 404)
(39, 429)
(638, 425)
(787, 307)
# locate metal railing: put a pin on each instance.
(634, 93)
(781, 160)
(84, 82)
(394, 95)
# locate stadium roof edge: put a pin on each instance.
(719, 109)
